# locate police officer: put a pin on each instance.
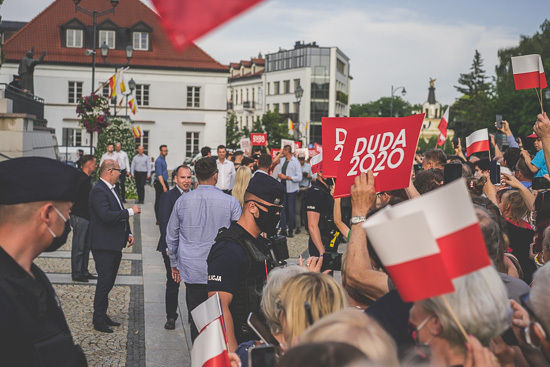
(239, 261)
(35, 202)
(323, 234)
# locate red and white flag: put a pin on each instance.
(528, 72)
(207, 312)
(316, 163)
(478, 141)
(443, 128)
(318, 147)
(209, 347)
(421, 222)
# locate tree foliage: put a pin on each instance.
(233, 134)
(381, 108)
(275, 128)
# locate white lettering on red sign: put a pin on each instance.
(341, 135)
(258, 139)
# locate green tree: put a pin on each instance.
(275, 128)
(475, 106)
(381, 108)
(233, 134)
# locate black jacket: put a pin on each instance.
(166, 204)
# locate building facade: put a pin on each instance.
(181, 95)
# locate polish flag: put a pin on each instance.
(528, 72)
(207, 312)
(456, 232)
(316, 163)
(478, 141)
(443, 128)
(318, 147)
(209, 347)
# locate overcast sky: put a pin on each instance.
(399, 42)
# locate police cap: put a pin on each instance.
(266, 188)
(30, 179)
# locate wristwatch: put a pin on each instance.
(357, 220)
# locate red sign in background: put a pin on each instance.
(258, 138)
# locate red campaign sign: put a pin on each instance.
(385, 146)
(297, 145)
(313, 153)
(274, 152)
(258, 138)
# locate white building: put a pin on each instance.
(324, 75)
(181, 95)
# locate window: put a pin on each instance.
(71, 138)
(276, 87)
(285, 108)
(275, 107)
(192, 144)
(143, 141)
(296, 83)
(107, 37)
(142, 94)
(246, 121)
(286, 86)
(141, 41)
(74, 38)
(341, 66)
(193, 97)
(75, 91)
(105, 91)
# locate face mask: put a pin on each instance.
(59, 241)
(267, 220)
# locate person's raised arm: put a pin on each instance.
(527, 196)
(494, 144)
(337, 214)
(509, 136)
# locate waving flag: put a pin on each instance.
(478, 141)
(443, 128)
(317, 163)
(528, 72)
(112, 87)
(207, 312)
(209, 347)
(132, 103)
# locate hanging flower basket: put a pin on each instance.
(93, 111)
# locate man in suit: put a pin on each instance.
(108, 233)
(167, 200)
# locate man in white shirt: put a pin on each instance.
(124, 170)
(226, 171)
(290, 175)
(110, 154)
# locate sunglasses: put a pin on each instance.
(116, 169)
(271, 209)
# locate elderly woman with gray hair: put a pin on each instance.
(481, 305)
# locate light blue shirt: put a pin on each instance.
(140, 163)
(193, 226)
(294, 173)
(540, 163)
(306, 168)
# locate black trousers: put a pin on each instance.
(158, 192)
(141, 177)
(106, 266)
(172, 290)
(195, 294)
(121, 184)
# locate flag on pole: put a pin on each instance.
(443, 128)
(112, 87)
(478, 141)
(140, 131)
(528, 72)
(207, 312)
(290, 125)
(132, 103)
(135, 131)
(317, 163)
(121, 85)
(209, 347)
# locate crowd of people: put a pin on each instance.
(218, 225)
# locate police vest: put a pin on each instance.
(248, 293)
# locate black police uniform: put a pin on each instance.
(238, 264)
(33, 329)
(318, 199)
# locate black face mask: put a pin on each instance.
(60, 240)
(267, 220)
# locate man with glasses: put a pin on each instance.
(240, 259)
(108, 233)
(192, 228)
(161, 177)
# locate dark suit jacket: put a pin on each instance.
(109, 225)
(166, 204)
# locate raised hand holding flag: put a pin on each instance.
(478, 141)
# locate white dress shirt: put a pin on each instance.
(226, 174)
(124, 162)
(114, 156)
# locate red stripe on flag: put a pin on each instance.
(442, 132)
(317, 167)
(478, 146)
(221, 360)
(421, 278)
(533, 79)
(464, 251)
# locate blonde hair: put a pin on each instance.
(323, 293)
(356, 328)
(242, 178)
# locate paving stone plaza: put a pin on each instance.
(136, 301)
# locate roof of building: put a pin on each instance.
(44, 34)
(247, 75)
(7, 24)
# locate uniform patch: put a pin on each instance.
(311, 207)
(215, 278)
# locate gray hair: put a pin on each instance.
(272, 292)
(540, 297)
(492, 236)
(480, 303)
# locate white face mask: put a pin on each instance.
(62, 217)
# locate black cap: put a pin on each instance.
(266, 188)
(30, 179)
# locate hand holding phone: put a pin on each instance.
(498, 123)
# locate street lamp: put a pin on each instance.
(129, 53)
(299, 92)
(94, 14)
(393, 91)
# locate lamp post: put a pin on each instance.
(299, 92)
(129, 54)
(132, 85)
(393, 91)
(94, 14)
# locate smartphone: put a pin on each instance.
(262, 356)
(259, 328)
(499, 121)
(455, 142)
(417, 167)
(494, 172)
(509, 337)
(332, 261)
(451, 172)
